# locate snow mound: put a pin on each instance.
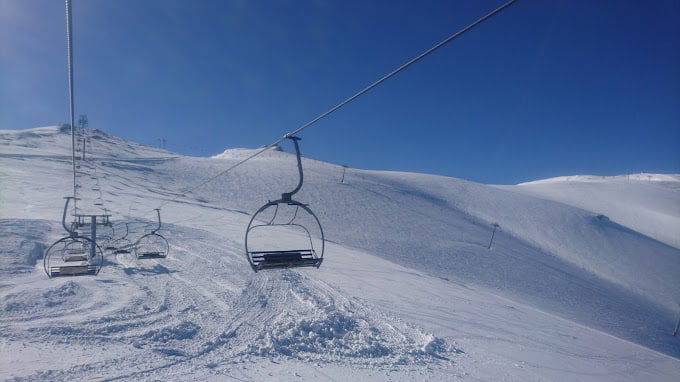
(62, 292)
(23, 249)
(320, 325)
(37, 303)
(185, 330)
(333, 334)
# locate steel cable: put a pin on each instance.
(346, 101)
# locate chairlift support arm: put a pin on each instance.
(287, 196)
(71, 232)
(158, 213)
(127, 231)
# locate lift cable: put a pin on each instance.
(69, 42)
(346, 101)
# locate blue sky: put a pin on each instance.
(546, 88)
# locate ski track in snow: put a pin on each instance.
(170, 314)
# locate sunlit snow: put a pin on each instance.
(582, 281)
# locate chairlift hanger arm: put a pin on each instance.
(287, 196)
(71, 232)
(158, 213)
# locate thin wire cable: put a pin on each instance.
(69, 42)
(348, 100)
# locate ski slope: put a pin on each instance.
(642, 202)
(575, 287)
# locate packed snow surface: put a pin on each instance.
(580, 283)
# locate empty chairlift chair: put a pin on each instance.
(75, 250)
(107, 233)
(108, 239)
(73, 255)
(152, 245)
(295, 244)
(123, 245)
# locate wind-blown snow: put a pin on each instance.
(574, 287)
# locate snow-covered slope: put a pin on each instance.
(647, 203)
(408, 290)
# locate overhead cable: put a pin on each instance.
(346, 101)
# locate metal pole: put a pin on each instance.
(495, 225)
(344, 168)
(93, 232)
(69, 36)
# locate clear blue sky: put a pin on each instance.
(546, 88)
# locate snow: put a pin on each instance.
(607, 179)
(581, 282)
(242, 153)
(646, 203)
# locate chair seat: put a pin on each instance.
(73, 270)
(151, 255)
(284, 259)
(71, 258)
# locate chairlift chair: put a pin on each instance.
(108, 238)
(152, 245)
(75, 250)
(285, 258)
(123, 245)
(73, 255)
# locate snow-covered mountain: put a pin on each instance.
(581, 282)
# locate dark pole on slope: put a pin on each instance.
(82, 123)
(93, 236)
(495, 225)
(69, 42)
(344, 168)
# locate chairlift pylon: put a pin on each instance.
(73, 255)
(285, 258)
(152, 245)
